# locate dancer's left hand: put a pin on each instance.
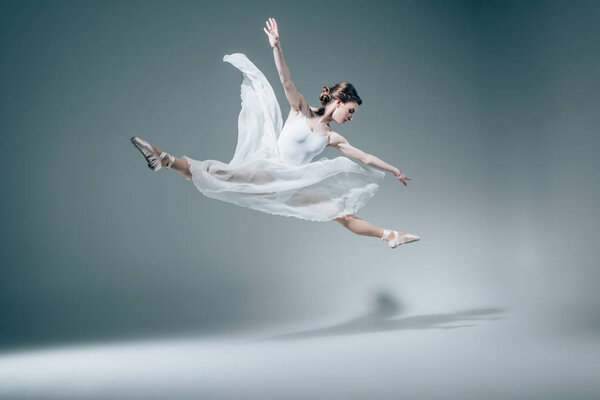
(402, 178)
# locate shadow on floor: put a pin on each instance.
(385, 317)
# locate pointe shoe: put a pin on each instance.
(154, 162)
(398, 239)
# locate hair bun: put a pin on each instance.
(325, 96)
(343, 91)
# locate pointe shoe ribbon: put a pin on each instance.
(398, 239)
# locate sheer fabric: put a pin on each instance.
(260, 177)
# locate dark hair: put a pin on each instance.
(343, 91)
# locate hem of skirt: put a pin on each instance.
(379, 175)
(346, 211)
(341, 214)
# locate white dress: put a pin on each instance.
(272, 171)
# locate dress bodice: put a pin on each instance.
(298, 145)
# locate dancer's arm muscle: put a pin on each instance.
(295, 99)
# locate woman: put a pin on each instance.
(272, 171)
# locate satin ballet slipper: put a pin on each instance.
(398, 239)
(153, 159)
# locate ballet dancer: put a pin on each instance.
(272, 169)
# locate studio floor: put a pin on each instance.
(469, 354)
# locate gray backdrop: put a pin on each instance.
(491, 107)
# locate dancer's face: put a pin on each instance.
(344, 112)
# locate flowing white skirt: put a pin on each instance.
(258, 178)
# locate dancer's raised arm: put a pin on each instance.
(295, 99)
(341, 143)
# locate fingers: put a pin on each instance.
(271, 24)
(403, 180)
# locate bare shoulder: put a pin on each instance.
(335, 139)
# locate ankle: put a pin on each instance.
(386, 234)
(166, 160)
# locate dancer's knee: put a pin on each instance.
(219, 173)
(345, 219)
(212, 169)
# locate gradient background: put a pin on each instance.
(491, 108)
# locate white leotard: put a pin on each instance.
(298, 145)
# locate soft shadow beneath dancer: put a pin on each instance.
(384, 317)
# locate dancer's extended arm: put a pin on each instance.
(295, 99)
(341, 143)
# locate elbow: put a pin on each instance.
(287, 83)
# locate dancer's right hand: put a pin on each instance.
(272, 33)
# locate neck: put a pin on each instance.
(326, 118)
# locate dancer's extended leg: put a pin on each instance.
(241, 175)
(360, 226)
(364, 228)
(179, 166)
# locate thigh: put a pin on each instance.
(315, 201)
(240, 175)
(306, 197)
